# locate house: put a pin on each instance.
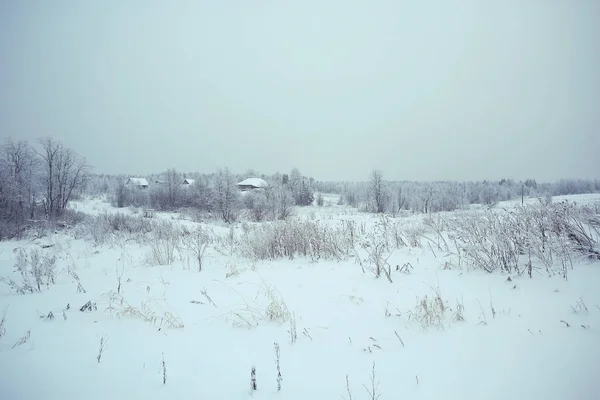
(252, 184)
(140, 183)
(188, 182)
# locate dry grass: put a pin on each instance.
(121, 308)
(430, 310)
(267, 305)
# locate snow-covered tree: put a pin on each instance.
(226, 199)
(63, 173)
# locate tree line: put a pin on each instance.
(381, 196)
(37, 182)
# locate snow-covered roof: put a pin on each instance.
(137, 181)
(256, 182)
(188, 181)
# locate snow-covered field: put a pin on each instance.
(483, 336)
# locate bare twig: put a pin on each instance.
(23, 340)
(253, 385)
(103, 341)
(348, 388)
(373, 390)
(205, 294)
(398, 336)
(2, 322)
(164, 370)
(279, 377)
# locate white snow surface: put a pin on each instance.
(346, 322)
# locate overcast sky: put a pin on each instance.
(422, 90)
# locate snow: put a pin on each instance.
(256, 182)
(345, 322)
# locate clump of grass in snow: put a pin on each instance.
(88, 307)
(459, 312)
(406, 268)
(289, 239)
(430, 310)
(108, 227)
(546, 232)
(120, 307)
(164, 242)
(579, 307)
(35, 269)
(196, 243)
(275, 309)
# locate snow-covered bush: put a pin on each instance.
(164, 241)
(196, 243)
(35, 271)
(149, 311)
(377, 248)
(267, 305)
(280, 203)
(313, 239)
(320, 200)
(257, 204)
(431, 310)
(510, 239)
(103, 227)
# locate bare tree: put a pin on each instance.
(281, 202)
(173, 186)
(378, 192)
(226, 196)
(402, 199)
(427, 196)
(121, 193)
(63, 172)
(257, 205)
(18, 166)
(294, 182)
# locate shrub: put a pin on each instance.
(257, 205)
(547, 231)
(291, 239)
(35, 270)
(164, 242)
(320, 200)
(196, 243)
(104, 227)
(430, 310)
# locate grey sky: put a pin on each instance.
(419, 89)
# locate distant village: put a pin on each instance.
(247, 184)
